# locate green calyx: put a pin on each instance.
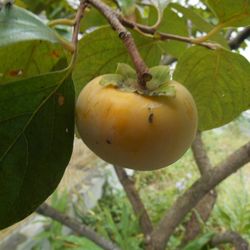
(125, 79)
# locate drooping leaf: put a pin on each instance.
(199, 22)
(27, 46)
(219, 82)
(230, 12)
(101, 51)
(17, 24)
(36, 131)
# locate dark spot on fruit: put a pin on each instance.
(151, 118)
(108, 141)
(96, 142)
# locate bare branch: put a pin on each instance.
(232, 238)
(200, 155)
(111, 16)
(185, 203)
(235, 42)
(135, 201)
(77, 227)
(205, 206)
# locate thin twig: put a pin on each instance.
(76, 226)
(163, 36)
(135, 201)
(186, 202)
(111, 16)
(78, 18)
(232, 238)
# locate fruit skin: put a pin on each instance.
(135, 131)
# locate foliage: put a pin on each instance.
(56, 235)
(38, 83)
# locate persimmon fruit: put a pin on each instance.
(136, 131)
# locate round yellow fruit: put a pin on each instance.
(136, 131)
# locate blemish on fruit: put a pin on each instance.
(67, 130)
(151, 118)
(108, 141)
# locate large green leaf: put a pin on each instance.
(101, 51)
(27, 46)
(230, 12)
(219, 80)
(36, 131)
(173, 24)
(199, 22)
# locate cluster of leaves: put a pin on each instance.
(37, 91)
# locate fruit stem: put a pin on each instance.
(140, 66)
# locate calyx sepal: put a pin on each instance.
(125, 79)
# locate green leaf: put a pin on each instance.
(164, 90)
(80, 242)
(27, 46)
(160, 75)
(112, 79)
(92, 18)
(230, 12)
(219, 82)
(147, 15)
(101, 50)
(36, 131)
(126, 71)
(199, 243)
(17, 24)
(127, 6)
(173, 24)
(199, 22)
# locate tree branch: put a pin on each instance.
(235, 42)
(204, 207)
(232, 238)
(135, 201)
(163, 36)
(77, 227)
(200, 155)
(185, 203)
(111, 16)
